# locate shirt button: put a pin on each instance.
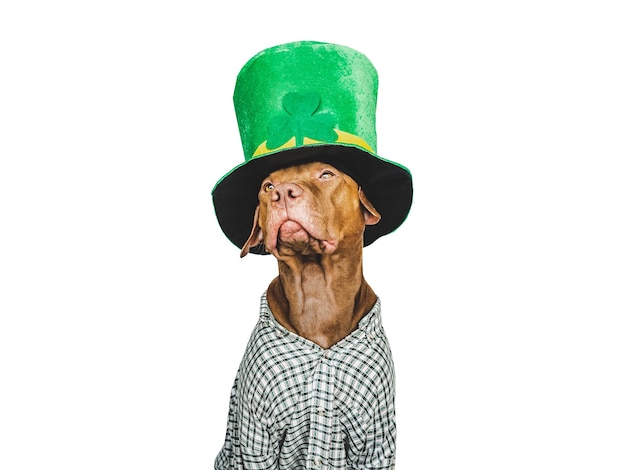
(321, 411)
(327, 353)
(317, 461)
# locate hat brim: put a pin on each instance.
(387, 185)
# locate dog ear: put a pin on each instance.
(256, 235)
(372, 217)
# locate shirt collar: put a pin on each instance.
(369, 326)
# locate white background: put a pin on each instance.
(125, 311)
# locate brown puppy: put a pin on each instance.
(315, 388)
(311, 217)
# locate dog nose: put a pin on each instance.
(286, 192)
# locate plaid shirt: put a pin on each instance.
(296, 406)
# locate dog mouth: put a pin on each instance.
(293, 231)
(293, 236)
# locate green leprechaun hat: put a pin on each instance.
(303, 102)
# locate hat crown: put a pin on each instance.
(306, 93)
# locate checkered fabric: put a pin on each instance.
(296, 406)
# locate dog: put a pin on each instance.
(315, 388)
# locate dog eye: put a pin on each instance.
(327, 174)
(268, 187)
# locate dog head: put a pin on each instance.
(308, 209)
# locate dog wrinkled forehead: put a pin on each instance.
(310, 168)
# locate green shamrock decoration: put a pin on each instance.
(301, 121)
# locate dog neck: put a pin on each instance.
(321, 297)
